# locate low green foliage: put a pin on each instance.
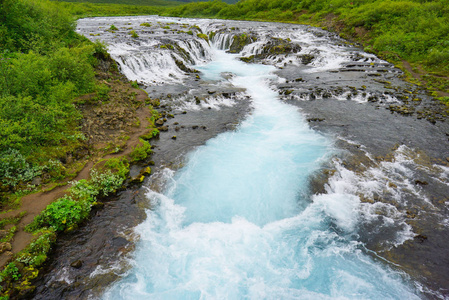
(15, 169)
(11, 271)
(11, 220)
(133, 2)
(35, 254)
(152, 134)
(62, 214)
(70, 210)
(203, 36)
(133, 34)
(84, 10)
(141, 151)
(102, 91)
(119, 166)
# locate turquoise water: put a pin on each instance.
(237, 222)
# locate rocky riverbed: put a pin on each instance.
(391, 140)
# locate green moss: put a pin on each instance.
(141, 151)
(166, 46)
(151, 134)
(203, 36)
(133, 34)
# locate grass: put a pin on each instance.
(131, 2)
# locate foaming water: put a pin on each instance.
(237, 222)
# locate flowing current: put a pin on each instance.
(238, 220)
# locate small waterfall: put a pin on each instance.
(222, 40)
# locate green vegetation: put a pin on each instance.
(141, 151)
(47, 73)
(84, 9)
(16, 276)
(69, 211)
(44, 65)
(132, 2)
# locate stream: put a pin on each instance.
(302, 168)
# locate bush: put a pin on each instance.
(15, 169)
(35, 254)
(62, 214)
(11, 271)
(140, 152)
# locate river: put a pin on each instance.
(292, 201)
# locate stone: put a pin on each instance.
(76, 264)
(421, 182)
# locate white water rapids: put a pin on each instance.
(237, 221)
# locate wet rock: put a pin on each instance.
(421, 182)
(160, 122)
(240, 41)
(247, 59)
(420, 238)
(163, 128)
(145, 171)
(194, 126)
(306, 58)
(119, 242)
(76, 264)
(277, 46)
(173, 137)
(182, 66)
(315, 120)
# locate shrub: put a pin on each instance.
(11, 271)
(62, 214)
(15, 169)
(140, 152)
(35, 254)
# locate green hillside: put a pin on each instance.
(131, 2)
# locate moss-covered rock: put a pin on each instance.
(247, 59)
(240, 41)
(277, 46)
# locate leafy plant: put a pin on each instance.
(14, 168)
(62, 214)
(141, 151)
(11, 271)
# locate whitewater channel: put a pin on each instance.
(238, 222)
